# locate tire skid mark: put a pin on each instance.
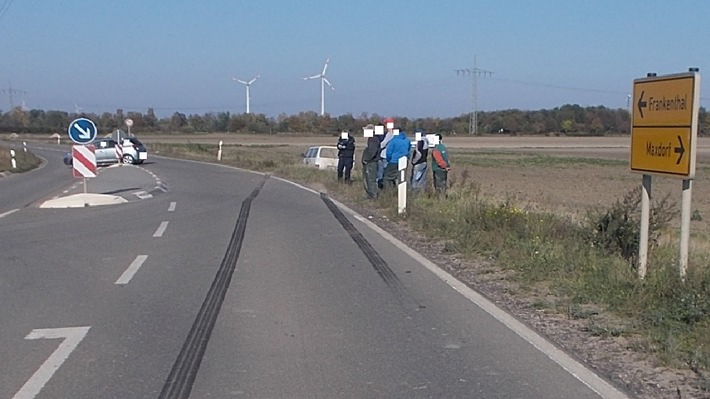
(182, 376)
(381, 267)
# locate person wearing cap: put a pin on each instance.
(440, 165)
(396, 149)
(419, 162)
(370, 161)
(389, 125)
(346, 154)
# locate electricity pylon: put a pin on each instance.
(10, 91)
(474, 73)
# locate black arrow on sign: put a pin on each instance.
(642, 104)
(679, 150)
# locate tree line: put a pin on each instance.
(567, 119)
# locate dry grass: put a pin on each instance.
(24, 161)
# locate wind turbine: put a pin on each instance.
(323, 82)
(247, 84)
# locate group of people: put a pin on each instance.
(380, 160)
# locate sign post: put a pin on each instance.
(664, 133)
(129, 123)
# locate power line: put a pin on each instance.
(4, 7)
(561, 87)
(572, 88)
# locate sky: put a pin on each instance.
(389, 57)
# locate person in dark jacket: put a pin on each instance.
(419, 162)
(370, 160)
(346, 155)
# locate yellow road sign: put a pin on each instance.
(666, 150)
(664, 102)
(664, 124)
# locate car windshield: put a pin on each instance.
(328, 152)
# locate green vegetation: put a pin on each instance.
(585, 270)
(592, 263)
(569, 119)
(24, 160)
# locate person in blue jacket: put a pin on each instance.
(397, 148)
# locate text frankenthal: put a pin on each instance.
(677, 103)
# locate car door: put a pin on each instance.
(105, 151)
(310, 157)
(327, 157)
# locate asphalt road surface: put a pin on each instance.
(226, 283)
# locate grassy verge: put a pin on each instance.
(575, 266)
(24, 161)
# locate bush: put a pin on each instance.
(618, 230)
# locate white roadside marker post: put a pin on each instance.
(14, 162)
(645, 221)
(402, 187)
(219, 152)
(685, 212)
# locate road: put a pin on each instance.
(233, 284)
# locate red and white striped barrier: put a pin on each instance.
(83, 160)
(119, 151)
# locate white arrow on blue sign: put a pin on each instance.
(82, 131)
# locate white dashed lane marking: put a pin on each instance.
(132, 270)
(161, 229)
(2, 215)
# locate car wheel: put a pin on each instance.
(127, 158)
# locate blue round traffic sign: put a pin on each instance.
(82, 131)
